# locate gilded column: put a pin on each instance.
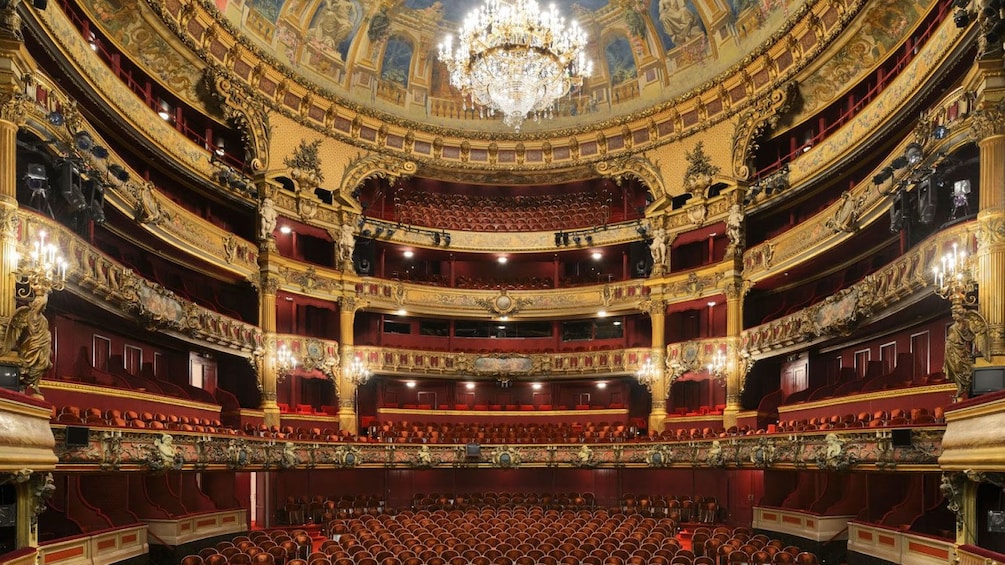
(656, 309)
(12, 112)
(989, 130)
(266, 364)
(346, 388)
(735, 289)
(736, 365)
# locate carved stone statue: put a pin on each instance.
(424, 458)
(267, 214)
(289, 459)
(969, 330)
(658, 250)
(734, 230)
(346, 244)
(28, 334)
(585, 457)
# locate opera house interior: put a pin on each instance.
(437, 282)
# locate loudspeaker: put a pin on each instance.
(10, 377)
(926, 202)
(76, 436)
(640, 260)
(363, 256)
(901, 438)
(473, 451)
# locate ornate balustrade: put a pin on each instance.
(135, 450)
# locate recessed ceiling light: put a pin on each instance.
(401, 312)
(408, 254)
(536, 386)
(711, 304)
(285, 230)
(502, 260)
(617, 322)
(504, 318)
(410, 384)
(601, 385)
(597, 255)
(469, 386)
(602, 314)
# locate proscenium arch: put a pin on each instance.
(372, 165)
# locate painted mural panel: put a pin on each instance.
(397, 61)
(620, 61)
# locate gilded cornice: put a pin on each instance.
(173, 450)
(26, 441)
(100, 280)
(973, 439)
(844, 310)
(753, 123)
(214, 39)
(246, 112)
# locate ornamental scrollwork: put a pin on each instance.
(347, 456)
(700, 170)
(242, 108)
(754, 122)
(372, 165)
(503, 304)
(659, 456)
(952, 489)
(163, 455)
(845, 218)
(505, 457)
(638, 166)
(834, 455)
(585, 457)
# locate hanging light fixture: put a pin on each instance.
(514, 58)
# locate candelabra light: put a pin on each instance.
(647, 374)
(286, 362)
(953, 278)
(717, 364)
(358, 372)
(42, 270)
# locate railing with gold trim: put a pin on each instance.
(898, 546)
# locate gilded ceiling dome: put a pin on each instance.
(383, 54)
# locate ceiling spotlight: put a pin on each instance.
(596, 255)
(536, 386)
(165, 111)
(558, 239)
(577, 239)
(410, 384)
(601, 385)
(711, 304)
(408, 253)
(390, 232)
(99, 152)
(961, 18)
(378, 231)
(285, 230)
(940, 132)
(602, 314)
(436, 238)
(913, 153)
(469, 386)
(446, 240)
(402, 312)
(899, 162)
(502, 259)
(219, 147)
(616, 322)
(565, 239)
(589, 240)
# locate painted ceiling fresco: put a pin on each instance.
(382, 53)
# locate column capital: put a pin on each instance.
(13, 108)
(988, 120)
(349, 304)
(268, 283)
(653, 306)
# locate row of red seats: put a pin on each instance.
(326, 410)
(73, 415)
(503, 407)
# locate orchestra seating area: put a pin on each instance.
(508, 535)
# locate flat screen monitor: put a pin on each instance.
(473, 450)
(988, 379)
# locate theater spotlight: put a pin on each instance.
(36, 178)
(118, 172)
(589, 240)
(558, 239)
(99, 152)
(83, 141)
(436, 238)
(55, 118)
(913, 153)
(446, 240)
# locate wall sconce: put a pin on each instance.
(717, 365)
(358, 372)
(286, 362)
(647, 374)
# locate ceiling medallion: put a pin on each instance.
(514, 58)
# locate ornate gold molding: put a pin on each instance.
(245, 110)
(754, 123)
(372, 165)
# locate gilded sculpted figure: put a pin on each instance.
(968, 330)
(28, 334)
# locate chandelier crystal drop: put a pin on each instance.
(514, 58)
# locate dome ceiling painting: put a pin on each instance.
(382, 53)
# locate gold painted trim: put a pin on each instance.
(984, 409)
(129, 394)
(693, 419)
(11, 406)
(296, 416)
(865, 397)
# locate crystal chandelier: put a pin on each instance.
(514, 58)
